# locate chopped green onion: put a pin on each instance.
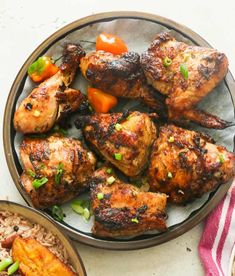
(5, 263)
(90, 108)
(31, 173)
(59, 173)
(57, 213)
(60, 130)
(167, 61)
(100, 196)
(128, 118)
(37, 183)
(118, 156)
(86, 214)
(110, 180)
(13, 268)
(82, 207)
(184, 70)
(39, 135)
(43, 166)
(169, 175)
(118, 127)
(171, 139)
(109, 170)
(221, 158)
(135, 220)
(76, 205)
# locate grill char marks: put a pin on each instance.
(204, 68)
(124, 210)
(186, 164)
(131, 143)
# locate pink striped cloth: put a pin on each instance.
(218, 238)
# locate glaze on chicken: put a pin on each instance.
(192, 73)
(120, 209)
(48, 102)
(63, 161)
(186, 164)
(125, 140)
(121, 76)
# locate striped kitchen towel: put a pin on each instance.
(218, 237)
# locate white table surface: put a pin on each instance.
(25, 24)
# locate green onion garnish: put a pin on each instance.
(135, 220)
(13, 268)
(100, 196)
(57, 213)
(109, 170)
(59, 173)
(31, 173)
(60, 130)
(167, 61)
(184, 70)
(118, 156)
(81, 207)
(118, 127)
(169, 175)
(221, 158)
(86, 214)
(110, 180)
(5, 263)
(43, 166)
(76, 205)
(171, 139)
(37, 183)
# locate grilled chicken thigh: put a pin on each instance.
(186, 164)
(62, 163)
(48, 102)
(120, 209)
(123, 141)
(185, 74)
(121, 76)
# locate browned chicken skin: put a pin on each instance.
(186, 164)
(45, 158)
(206, 67)
(124, 141)
(123, 210)
(121, 76)
(47, 103)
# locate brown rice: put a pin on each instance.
(11, 223)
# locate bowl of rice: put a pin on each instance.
(29, 224)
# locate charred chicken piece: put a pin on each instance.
(122, 139)
(186, 164)
(120, 209)
(185, 74)
(45, 105)
(121, 76)
(61, 164)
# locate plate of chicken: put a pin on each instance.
(125, 141)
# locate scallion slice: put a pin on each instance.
(167, 61)
(184, 70)
(118, 156)
(37, 183)
(100, 196)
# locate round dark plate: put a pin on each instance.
(43, 220)
(142, 241)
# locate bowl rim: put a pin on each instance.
(176, 230)
(53, 224)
